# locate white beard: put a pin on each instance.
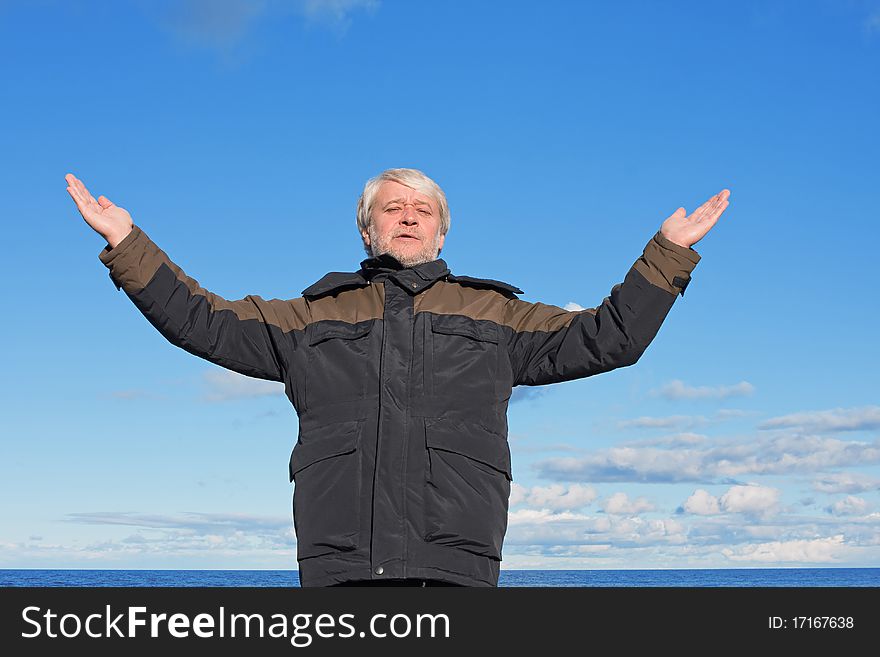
(427, 253)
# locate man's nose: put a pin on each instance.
(410, 216)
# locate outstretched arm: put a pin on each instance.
(551, 345)
(241, 335)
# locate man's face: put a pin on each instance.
(404, 223)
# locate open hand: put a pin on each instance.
(110, 221)
(686, 231)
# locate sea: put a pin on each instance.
(722, 577)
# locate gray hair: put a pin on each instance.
(412, 178)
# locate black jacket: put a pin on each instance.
(401, 378)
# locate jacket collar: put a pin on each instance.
(384, 262)
(387, 263)
(414, 279)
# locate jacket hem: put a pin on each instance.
(327, 572)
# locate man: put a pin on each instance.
(401, 374)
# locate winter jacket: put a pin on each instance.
(401, 379)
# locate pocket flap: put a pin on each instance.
(478, 329)
(470, 440)
(325, 330)
(322, 443)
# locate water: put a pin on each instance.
(739, 577)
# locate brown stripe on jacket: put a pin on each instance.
(661, 261)
(136, 259)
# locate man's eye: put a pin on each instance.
(393, 209)
(426, 212)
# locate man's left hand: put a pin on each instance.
(686, 231)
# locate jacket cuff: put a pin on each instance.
(683, 251)
(667, 264)
(118, 258)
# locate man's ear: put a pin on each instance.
(442, 240)
(366, 237)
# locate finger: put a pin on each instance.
(87, 197)
(712, 218)
(712, 207)
(77, 187)
(700, 210)
(711, 221)
(74, 194)
(698, 213)
(81, 196)
(715, 200)
(93, 199)
(721, 206)
(82, 188)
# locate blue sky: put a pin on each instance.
(239, 136)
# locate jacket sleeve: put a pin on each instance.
(549, 344)
(237, 335)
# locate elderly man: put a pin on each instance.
(401, 373)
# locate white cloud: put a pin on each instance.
(684, 439)
(544, 539)
(224, 385)
(214, 23)
(829, 421)
(818, 550)
(849, 506)
(751, 500)
(714, 461)
(542, 517)
(335, 11)
(666, 422)
(547, 528)
(129, 395)
(682, 422)
(727, 413)
(677, 389)
(620, 504)
(223, 24)
(701, 503)
(518, 494)
(198, 540)
(872, 23)
(761, 500)
(527, 393)
(188, 521)
(626, 464)
(846, 482)
(555, 497)
(571, 306)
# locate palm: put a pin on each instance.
(688, 230)
(101, 214)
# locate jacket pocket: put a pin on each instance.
(326, 468)
(464, 356)
(467, 487)
(339, 363)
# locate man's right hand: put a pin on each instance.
(110, 221)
